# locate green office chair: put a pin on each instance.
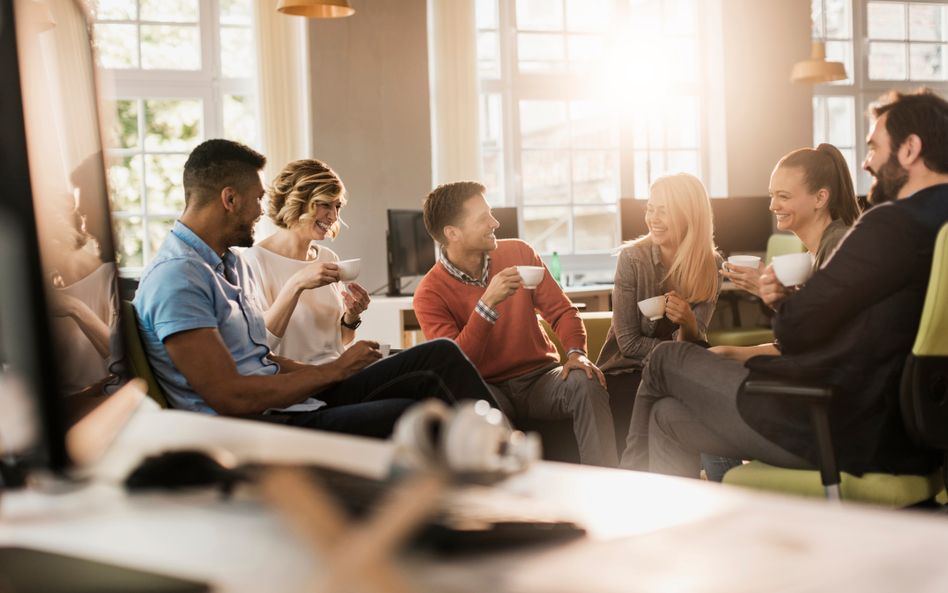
(138, 361)
(778, 244)
(596, 323)
(141, 368)
(924, 403)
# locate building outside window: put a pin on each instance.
(884, 45)
(584, 102)
(177, 72)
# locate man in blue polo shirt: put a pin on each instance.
(204, 333)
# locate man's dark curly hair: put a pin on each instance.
(924, 113)
(216, 164)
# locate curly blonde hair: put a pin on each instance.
(298, 189)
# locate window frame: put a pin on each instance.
(206, 84)
(515, 86)
(865, 91)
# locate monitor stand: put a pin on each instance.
(394, 282)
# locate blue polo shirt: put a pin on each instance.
(187, 286)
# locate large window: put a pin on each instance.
(586, 101)
(177, 72)
(884, 45)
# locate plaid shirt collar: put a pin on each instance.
(461, 276)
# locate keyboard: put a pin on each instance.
(470, 517)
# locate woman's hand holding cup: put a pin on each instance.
(315, 275)
(679, 311)
(743, 277)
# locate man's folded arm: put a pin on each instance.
(204, 360)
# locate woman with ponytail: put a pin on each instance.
(677, 259)
(812, 196)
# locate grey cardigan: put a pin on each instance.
(639, 275)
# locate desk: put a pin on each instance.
(598, 297)
(392, 320)
(647, 532)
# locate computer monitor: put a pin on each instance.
(411, 250)
(632, 213)
(507, 217)
(60, 318)
(742, 225)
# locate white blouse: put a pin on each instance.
(314, 333)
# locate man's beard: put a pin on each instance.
(888, 181)
(243, 236)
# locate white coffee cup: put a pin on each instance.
(653, 308)
(385, 349)
(531, 276)
(747, 261)
(349, 269)
(793, 269)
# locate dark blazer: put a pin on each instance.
(852, 326)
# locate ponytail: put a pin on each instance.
(843, 204)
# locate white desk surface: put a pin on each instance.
(646, 532)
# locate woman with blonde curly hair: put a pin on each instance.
(310, 317)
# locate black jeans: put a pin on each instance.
(622, 388)
(369, 402)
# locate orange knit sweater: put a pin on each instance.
(516, 344)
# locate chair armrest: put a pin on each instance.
(816, 398)
(804, 393)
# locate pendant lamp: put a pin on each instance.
(817, 69)
(317, 9)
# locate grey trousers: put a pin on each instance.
(543, 395)
(687, 405)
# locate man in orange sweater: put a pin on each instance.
(474, 296)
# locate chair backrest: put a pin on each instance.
(924, 390)
(597, 328)
(782, 244)
(141, 368)
(932, 337)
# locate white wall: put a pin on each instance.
(371, 119)
(767, 116)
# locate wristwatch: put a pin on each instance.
(353, 326)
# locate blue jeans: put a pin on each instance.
(369, 402)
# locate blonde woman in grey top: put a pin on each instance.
(812, 196)
(677, 259)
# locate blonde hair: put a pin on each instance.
(298, 189)
(689, 210)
